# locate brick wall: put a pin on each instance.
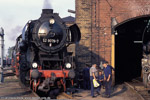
(94, 19)
(83, 19)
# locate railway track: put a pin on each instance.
(11, 79)
(11, 88)
(138, 87)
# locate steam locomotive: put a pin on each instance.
(40, 56)
(146, 65)
(146, 58)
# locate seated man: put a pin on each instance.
(56, 90)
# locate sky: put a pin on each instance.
(14, 14)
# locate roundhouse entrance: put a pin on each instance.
(129, 49)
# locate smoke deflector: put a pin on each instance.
(75, 33)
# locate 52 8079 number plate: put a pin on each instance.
(51, 40)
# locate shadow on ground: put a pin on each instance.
(18, 94)
(115, 91)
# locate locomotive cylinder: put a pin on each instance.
(35, 74)
(71, 74)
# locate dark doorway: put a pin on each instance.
(128, 49)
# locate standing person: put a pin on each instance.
(86, 78)
(100, 79)
(80, 80)
(107, 78)
(93, 75)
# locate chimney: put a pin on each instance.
(47, 11)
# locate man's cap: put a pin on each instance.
(104, 62)
(100, 70)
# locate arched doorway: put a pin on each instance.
(129, 49)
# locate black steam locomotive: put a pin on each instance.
(146, 58)
(42, 59)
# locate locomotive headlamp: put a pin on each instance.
(144, 61)
(51, 21)
(68, 65)
(41, 31)
(34, 65)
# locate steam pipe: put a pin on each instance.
(1, 46)
(1, 53)
(71, 11)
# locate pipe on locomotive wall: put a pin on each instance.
(1, 53)
(1, 45)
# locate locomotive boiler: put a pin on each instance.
(41, 52)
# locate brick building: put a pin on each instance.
(98, 21)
